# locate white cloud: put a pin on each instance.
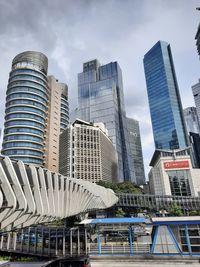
(71, 32)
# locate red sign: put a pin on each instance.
(176, 164)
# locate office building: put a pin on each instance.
(192, 120)
(196, 95)
(194, 139)
(32, 114)
(57, 121)
(172, 174)
(26, 108)
(64, 109)
(197, 38)
(87, 153)
(166, 111)
(193, 130)
(101, 99)
(136, 150)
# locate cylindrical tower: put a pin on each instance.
(26, 108)
(64, 109)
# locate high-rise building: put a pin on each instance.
(32, 115)
(166, 111)
(101, 99)
(136, 150)
(193, 130)
(26, 108)
(64, 111)
(196, 95)
(194, 139)
(57, 121)
(192, 120)
(197, 38)
(87, 153)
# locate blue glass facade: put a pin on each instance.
(26, 108)
(164, 99)
(101, 99)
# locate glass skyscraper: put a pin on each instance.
(167, 117)
(192, 120)
(26, 108)
(136, 150)
(36, 112)
(196, 95)
(101, 99)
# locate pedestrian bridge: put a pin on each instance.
(33, 195)
(161, 236)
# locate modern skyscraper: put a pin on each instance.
(64, 111)
(196, 95)
(57, 121)
(33, 108)
(167, 118)
(26, 108)
(87, 153)
(197, 38)
(136, 150)
(193, 130)
(101, 99)
(192, 120)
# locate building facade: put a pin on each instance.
(194, 139)
(64, 108)
(172, 174)
(166, 111)
(192, 120)
(87, 153)
(33, 112)
(26, 108)
(136, 150)
(196, 95)
(193, 130)
(101, 99)
(197, 38)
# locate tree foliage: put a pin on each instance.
(125, 187)
(175, 210)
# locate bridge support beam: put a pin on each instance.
(86, 243)
(130, 239)
(99, 240)
(64, 242)
(188, 240)
(71, 242)
(78, 239)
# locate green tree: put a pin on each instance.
(125, 187)
(175, 210)
(194, 213)
(119, 213)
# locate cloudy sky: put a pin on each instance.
(71, 32)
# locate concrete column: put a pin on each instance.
(70, 242)
(86, 244)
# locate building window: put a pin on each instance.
(179, 183)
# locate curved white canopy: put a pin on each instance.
(30, 194)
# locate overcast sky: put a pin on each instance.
(70, 32)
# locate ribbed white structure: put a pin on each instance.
(31, 195)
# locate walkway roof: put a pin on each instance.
(176, 220)
(114, 221)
